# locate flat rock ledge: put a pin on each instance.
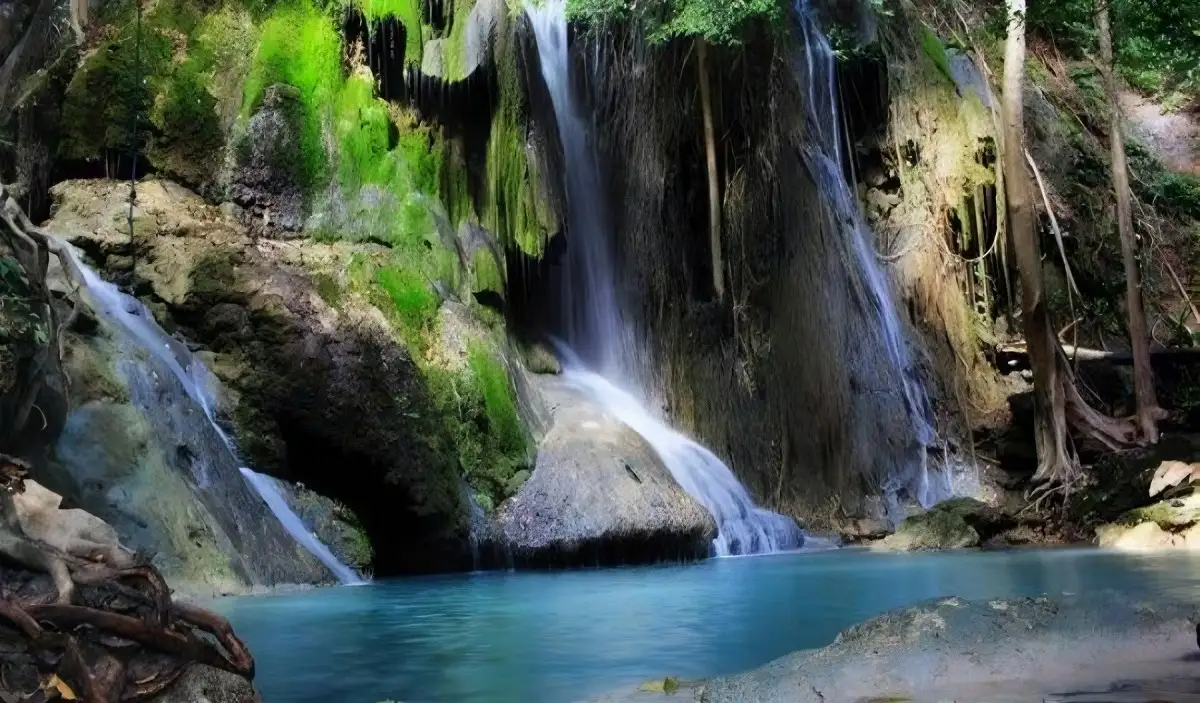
(599, 495)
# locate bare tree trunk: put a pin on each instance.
(1054, 461)
(1148, 411)
(714, 189)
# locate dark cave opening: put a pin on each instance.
(404, 540)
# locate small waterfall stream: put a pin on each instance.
(817, 74)
(136, 322)
(599, 349)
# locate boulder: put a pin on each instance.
(953, 524)
(1169, 524)
(951, 649)
(205, 684)
(599, 494)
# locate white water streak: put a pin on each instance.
(137, 322)
(600, 346)
(818, 77)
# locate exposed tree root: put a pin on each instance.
(109, 631)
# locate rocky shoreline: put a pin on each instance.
(999, 650)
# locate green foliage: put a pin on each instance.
(18, 321)
(1157, 44)
(1176, 194)
(719, 22)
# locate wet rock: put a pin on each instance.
(335, 525)
(313, 380)
(599, 494)
(951, 649)
(953, 524)
(205, 684)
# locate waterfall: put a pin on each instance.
(599, 347)
(136, 322)
(817, 73)
(268, 488)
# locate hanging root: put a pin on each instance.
(91, 608)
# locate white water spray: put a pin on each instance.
(818, 77)
(133, 319)
(600, 345)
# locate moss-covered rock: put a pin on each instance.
(273, 174)
(953, 524)
(1168, 524)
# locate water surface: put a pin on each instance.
(560, 636)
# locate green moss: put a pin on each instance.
(487, 273)
(511, 209)
(329, 290)
(110, 95)
(189, 133)
(408, 12)
(412, 300)
(478, 407)
(454, 51)
(299, 46)
(499, 400)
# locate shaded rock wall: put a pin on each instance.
(316, 392)
(782, 379)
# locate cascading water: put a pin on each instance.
(818, 79)
(137, 324)
(599, 344)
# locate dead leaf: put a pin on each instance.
(1172, 473)
(61, 686)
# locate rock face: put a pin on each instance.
(1170, 524)
(1000, 650)
(205, 684)
(267, 181)
(953, 524)
(316, 386)
(599, 494)
(140, 454)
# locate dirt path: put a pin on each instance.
(1173, 136)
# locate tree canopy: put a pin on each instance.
(716, 21)
(1156, 44)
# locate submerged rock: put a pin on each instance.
(600, 494)
(951, 649)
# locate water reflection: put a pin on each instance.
(563, 636)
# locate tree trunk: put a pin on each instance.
(1055, 464)
(1148, 411)
(714, 189)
